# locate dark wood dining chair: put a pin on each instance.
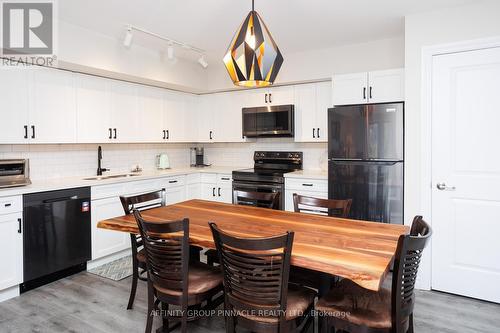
(351, 308)
(336, 208)
(326, 207)
(256, 289)
(249, 198)
(140, 202)
(172, 279)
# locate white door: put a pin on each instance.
(466, 167)
(53, 107)
(14, 97)
(209, 192)
(11, 241)
(227, 113)
(305, 113)
(281, 95)
(193, 191)
(224, 193)
(124, 111)
(350, 88)
(93, 109)
(323, 103)
(386, 86)
(205, 119)
(106, 242)
(151, 112)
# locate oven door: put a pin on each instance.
(272, 121)
(260, 187)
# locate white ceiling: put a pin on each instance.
(210, 24)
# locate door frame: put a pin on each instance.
(425, 278)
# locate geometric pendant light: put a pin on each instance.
(253, 58)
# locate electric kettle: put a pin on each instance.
(162, 162)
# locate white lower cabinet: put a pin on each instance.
(175, 189)
(11, 250)
(217, 187)
(106, 242)
(316, 188)
(193, 186)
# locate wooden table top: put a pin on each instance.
(356, 250)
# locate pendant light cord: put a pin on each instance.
(253, 8)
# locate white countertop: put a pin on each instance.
(308, 174)
(73, 182)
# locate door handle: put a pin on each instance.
(32, 131)
(371, 92)
(314, 133)
(110, 133)
(211, 136)
(25, 131)
(364, 92)
(318, 133)
(213, 191)
(172, 181)
(266, 98)
(270, 100)
(19, 230)
(114, 130)
(444, 187)
(164, 134)
(168, 134)
(218, 191)
(309, 185)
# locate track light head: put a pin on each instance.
(203, 62)
(127, 42)
(170, 52)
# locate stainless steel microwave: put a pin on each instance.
(268, 121)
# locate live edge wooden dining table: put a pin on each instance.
(357, 250)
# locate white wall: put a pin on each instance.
(427, 29)
(321, 64)
(83, 49)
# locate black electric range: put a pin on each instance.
(267, 175)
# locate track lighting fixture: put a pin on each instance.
(127, 42)
(203, 62)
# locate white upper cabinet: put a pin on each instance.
(180, 124)
(93, 109)
(151, 115)
(53, 107)
(15, 105)
(269, 96)
(311, 106)
(124, 111)
(228, 117)
(372, 87)
(386, 86)
(206, 117)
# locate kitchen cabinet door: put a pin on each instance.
(256, 97)
(206, 117)
(175, 194)
(11, 250)
(15, 106)
(228, 117)
(386, 86)
(151, 113)
(281, 95)
(350, 89)
(193, 191)
(289, 197)
(93, 109)
(124, 111)
(305, 113)
(53, 107)
(209, 191)
(224, 193)
(106, 242)
(323, 103)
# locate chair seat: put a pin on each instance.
(352, 303)
(202, 278)
(298, 301)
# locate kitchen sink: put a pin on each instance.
(125, 175)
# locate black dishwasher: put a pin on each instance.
(56, 235)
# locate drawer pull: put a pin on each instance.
(8, 205)
(307, 185)
(224, 178)
(172, 181)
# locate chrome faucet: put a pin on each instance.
(99, 158)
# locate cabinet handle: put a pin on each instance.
(172, 181)
(168, 135)
(309, 185)
(32, 131)
(364, 92)
(19, 230)
(314, 133)
(218, 191)
(114, 130)
(371, 92)
(318, 133)
(213, 191)
(111, 133)
(25, 131)
(8, 205)
(224, 178)
(211, 132)
(266, 98)
(164, 134)
(270, 100)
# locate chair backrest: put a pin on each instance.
(337, 208)
(259, 199)
(143, 201)
(167, 252)
(256, 271)
(406, 264)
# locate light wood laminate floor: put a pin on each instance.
(88, 303)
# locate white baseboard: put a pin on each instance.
(112, 257)
(9, 293)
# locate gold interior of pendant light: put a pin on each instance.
(253, 58)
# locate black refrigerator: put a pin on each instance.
(366, 160)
